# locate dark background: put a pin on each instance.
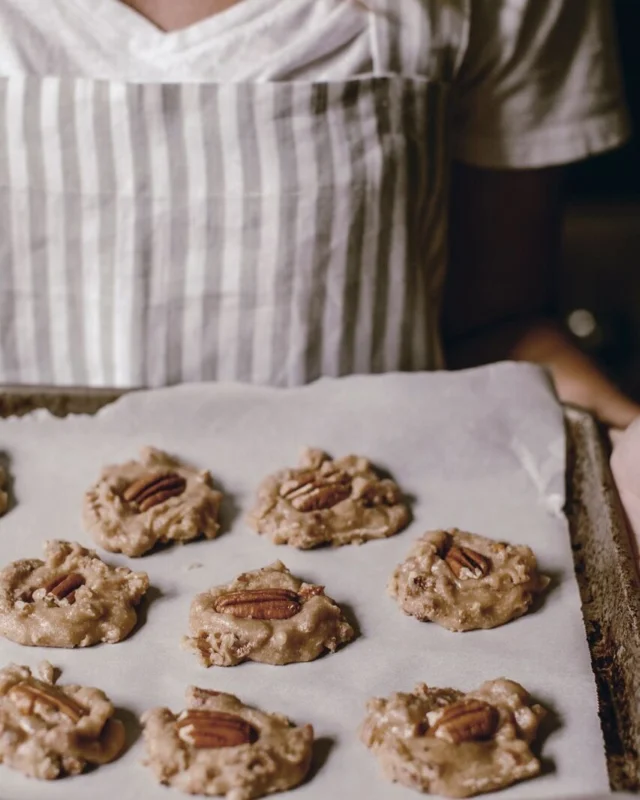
(616, 175)
(601, 272)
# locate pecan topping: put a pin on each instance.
(213, 729)
(27, 694)
(259, 604)
(314, 491)
(151, 490)
(466, 721)
(64, 587)
(466, 563)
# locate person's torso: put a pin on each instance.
(261, 197)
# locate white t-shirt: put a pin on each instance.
(535, 82)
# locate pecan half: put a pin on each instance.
(214, 729)
(259, 604)
(467, 563)
(466, 721)
(28, 693)
(151, 490)
(64, 586)
(314, 491)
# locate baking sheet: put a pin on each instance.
(482, 450)
(606, 567)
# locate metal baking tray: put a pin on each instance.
(604, 558)
(607, 573)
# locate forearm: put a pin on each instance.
(501, 285)
(578, 380)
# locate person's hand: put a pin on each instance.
(625, 465)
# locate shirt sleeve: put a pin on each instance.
(539, 84)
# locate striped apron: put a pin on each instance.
(270, 232)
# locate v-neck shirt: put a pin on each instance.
(523, 95)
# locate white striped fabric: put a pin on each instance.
(269, 232)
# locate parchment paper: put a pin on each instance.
(482, 450)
